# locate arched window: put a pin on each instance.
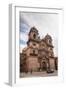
(34, 36)
(34, 44)
(33, 51)
(49, 41)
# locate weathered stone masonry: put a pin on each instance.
(38, 55)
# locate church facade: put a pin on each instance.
(38, 55)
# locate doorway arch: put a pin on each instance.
(44, 66)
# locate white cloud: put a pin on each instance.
(23, 37)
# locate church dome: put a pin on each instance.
(48, 37)
(33, 29)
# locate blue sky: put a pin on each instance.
(45, 23)
(23, 31)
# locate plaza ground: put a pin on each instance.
(40, 74)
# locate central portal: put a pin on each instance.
(44, 66)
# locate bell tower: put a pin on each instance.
(50, 47)
(33, 38)
(33, 46)
(33, 34)
(48, 40)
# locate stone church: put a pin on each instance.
(38, 55)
